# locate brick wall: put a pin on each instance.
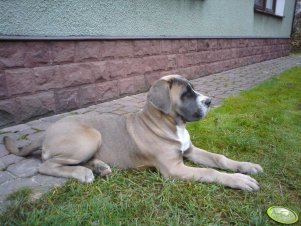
(39, 78)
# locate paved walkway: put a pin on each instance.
(17, 172)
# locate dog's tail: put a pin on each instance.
(12, 147)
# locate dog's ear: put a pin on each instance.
(159, 96)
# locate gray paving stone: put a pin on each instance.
(3, 151)
(13, 185)
(21, 142)
(141, 96)
(11, 159)
(39, 125)
(35, 136)
(54, 118)
(120, 112)
(25, 168)
(130, 109)
(12, 135)
(6, 176)
(17, 128)
(81, 111)
(48, 180)
(2, 165)
(105, 109)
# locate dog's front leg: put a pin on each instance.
(181, 171)
(208, 159)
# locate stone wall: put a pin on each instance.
(39, 78)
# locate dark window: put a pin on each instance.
(266, 7)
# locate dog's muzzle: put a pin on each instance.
(203, 105)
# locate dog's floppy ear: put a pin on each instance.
(159, 96)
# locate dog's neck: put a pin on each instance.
(170, 120)
(158, 124)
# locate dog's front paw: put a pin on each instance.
(242, 182)
(249, 168)
(83, 174)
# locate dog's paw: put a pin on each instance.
(242, 182)
(249, 168)
(102, 169)
(106, 172)
(83, 174)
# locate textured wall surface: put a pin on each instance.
(39, 78)
(140, 18)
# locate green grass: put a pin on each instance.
(262, 125)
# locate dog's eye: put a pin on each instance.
(187, 94)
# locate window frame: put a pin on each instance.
(261, 8)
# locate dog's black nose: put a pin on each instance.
(208, 101)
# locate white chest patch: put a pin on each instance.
(184, 138)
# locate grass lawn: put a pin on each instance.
(262, 125)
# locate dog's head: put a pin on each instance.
(176, 96)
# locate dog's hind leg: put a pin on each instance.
(99, 167)
(64, 168)
(63, 155)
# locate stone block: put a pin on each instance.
(3, 151)
(39, 125)
(116, 48)
(48, 180)
(134, 66)
(202, 45)
(67, 99)
(147, 47)
(13, 185)
(48, 77)
(172, 62)
(37, 53)
(190, 59)
(25, 168)
(3, 88)
(2, 165)
(53, 119)
(189, 72)
(14, 136)
(14, 129)
(155, 63)
(226, 54)
(11, 159)
(118, 68)
(35, 136)
(106, 90)
(6, 176)
(77, 74)
(20, 81)
(87, 94)
(35, 105)
(212, 44)
(192, 45)
(180, 46)
(101, 71)
(63, 51)
(151, 78)
(12, 54)
(87, 51)
(166, 47)
(132, 85)
(8, 111)
(213, 56)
